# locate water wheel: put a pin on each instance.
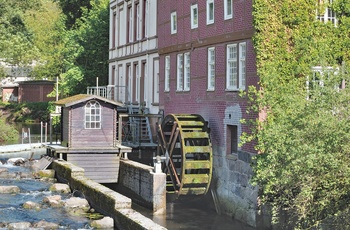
(187, 152)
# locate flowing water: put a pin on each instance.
(11, 205)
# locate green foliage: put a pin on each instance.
(47, 26)
(16, 46)
(76, 53)
(8, 133)
(30, 111)
(304, 144)
(92, 35)
(73, 9)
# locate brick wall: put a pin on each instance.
(221, 108)
(35, 91)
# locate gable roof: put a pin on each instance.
(79, 98)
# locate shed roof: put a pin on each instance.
(36, 82)
(69, 101)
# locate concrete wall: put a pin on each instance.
(103, 199)
(148, 188)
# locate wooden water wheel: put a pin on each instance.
(187, 152)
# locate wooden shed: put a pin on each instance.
(89, 136)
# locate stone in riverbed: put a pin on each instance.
(31, 205)
(17, 161)
(46, 225)
(9, 189)
(76, 206)
(19, 225)
(105, 223)
(4, 173)
(54, 201)
(59, 187)
(48, 173)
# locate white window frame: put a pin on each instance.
(180, 73)
(93, 117)
(210, 12)
(131, 23)
(167, 74)
(242, 67)
(187, 72)
(146, 22)
(137, 82)
(319, 75)
(228, 9)
(173, 23)
(236, 72)
(194, 16)
(329, 15)
(211, 68)
(138, 21)
(231, 67)
(129, 93)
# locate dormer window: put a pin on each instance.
(92, 115)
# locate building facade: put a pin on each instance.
(133, 53)
(206, 58)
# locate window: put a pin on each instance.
(173, 23)
(320, 76)
(228, 9)
(137, 22)
(187, 72)
(155, 81)
(128, 82)
(210, 12)
(180, 74)
(328, 15)
(144, 16)
(183, 72)
(114, 29)
(236, 70)
(136, 83)
(194, 16)
(242, 65)
(129, 33)
(92, 115)
(232, 139)
(211, 68)
(167, 74)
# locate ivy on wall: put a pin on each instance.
(303, 165)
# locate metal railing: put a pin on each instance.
(111, 92)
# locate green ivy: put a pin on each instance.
(303, 165)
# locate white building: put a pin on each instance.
(133, 53)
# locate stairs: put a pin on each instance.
(139, 125)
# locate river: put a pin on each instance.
(179, 214)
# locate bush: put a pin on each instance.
(8, 133)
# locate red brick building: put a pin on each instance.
(28, 91)
(206, 58)
(35, 91)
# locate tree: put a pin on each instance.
(48, 29)
(16, 45)
(7, 132)
(304, 144)
(73, 9)
(76, 54)
(93, 36)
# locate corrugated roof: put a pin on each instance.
(69, 101)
